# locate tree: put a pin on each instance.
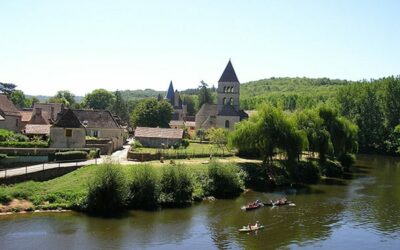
(219, 137)
(67, 95)
(392, 101)
(152, 113)
(7, 88)
(55, 99)
(120, 107)
(190, 104)
(99, 99)
(19, 99)
(204, 94)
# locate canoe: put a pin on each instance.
(252, 207)
(246, 229)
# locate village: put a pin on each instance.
(77, 132)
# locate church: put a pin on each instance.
(227, 111)
(174, 98)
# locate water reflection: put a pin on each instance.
(357, 212)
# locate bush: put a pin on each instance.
(176, 185)
(143, 187)
(19, 138)
(107, 191)
(28, 144)
(3, 156)
(224, 180)
(71, 155)
(347, 160)
(306, 172)
(332, 169)
(136, 144)
(5, 135)
(94, 153)
(185, 143)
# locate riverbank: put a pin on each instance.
(221, 179)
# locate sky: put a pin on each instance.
(80, 46)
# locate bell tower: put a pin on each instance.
(228, 91)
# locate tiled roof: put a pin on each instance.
(7, 106)
(68, 120)
(176, 123)
(229, 74)
(37, 129)
(167, 133)
(47, 107)
(190, 124)
(96, 118)
(228, 110)
(42, 118)
(26, 116)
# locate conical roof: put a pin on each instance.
(229, 74)
(170, 92)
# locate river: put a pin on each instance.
(360, 211)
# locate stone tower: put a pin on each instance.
(228, 89)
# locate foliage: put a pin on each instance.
(19, 99)
(347, 160)
(306, 172)
(71, 155)
(7, 88)
(201, 134)
(190, 102)
(218, 136)
(152, 113)
(332, 169)
(107, 190)
(19, 138)
(120, 107)
(204, 95)
(143, 187)
(63, 96)
(176, 185)
(5, 135)
(185, 143)
(99, 99)
(225, 181)
(28, 144)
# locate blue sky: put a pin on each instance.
(52, 45)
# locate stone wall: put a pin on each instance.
(58, 138)
(12, 123)
(157, 142)
(232, 121)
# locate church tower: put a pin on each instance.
(228, 91)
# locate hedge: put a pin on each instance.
(71, 155)
(29, 144)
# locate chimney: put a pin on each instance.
(38, 111)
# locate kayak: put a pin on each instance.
(247, 229)
(252, 207)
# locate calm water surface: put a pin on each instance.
(361, 211)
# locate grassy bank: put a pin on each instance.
(107, 188)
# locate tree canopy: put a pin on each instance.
(99, 99)
(152, 113)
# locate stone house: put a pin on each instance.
(72, 127)
(10, 117)
(227, 111)
(158, 137)
(52, 109)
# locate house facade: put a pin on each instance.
(72, 127)
(226, 113)
(10, 117)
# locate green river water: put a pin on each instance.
(361, 211)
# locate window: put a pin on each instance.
(231, 101)
(227, 124)
(224, 101)
(224, 89)
(68, 132)
(95, 133)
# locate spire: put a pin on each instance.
(229, 74)
(170, 93)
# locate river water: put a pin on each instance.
(361, 211)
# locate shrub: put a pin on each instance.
(176, 185)
(19, 138)
(3, 156)
(347, 160)
(5, 135)
(143, 187)
(332, 169)
(4, 197)
(185, 143)
(136, 144)
(224, 180)
(71, 155)
(107, 191)
(306, 172)
(94, 153)
(28, 144)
